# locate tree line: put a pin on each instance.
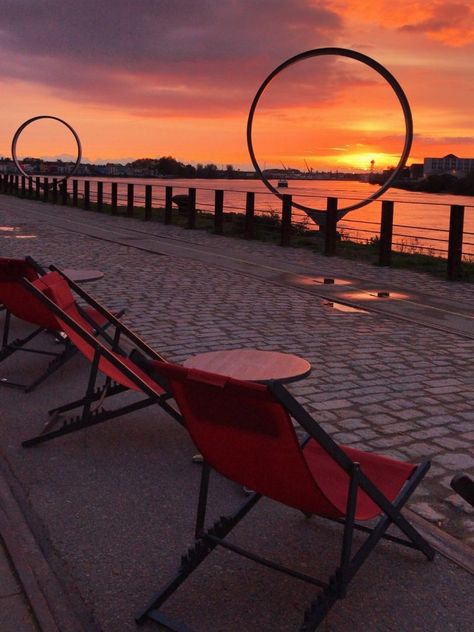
(169, 166)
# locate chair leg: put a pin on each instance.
(19, 345)
(342, 572)
(202, 503)
(393, 516)
(16, 345)
(195, 555)
(53, 366)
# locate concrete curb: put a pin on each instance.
(52, 610)
(448, 546)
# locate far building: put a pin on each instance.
(416, 170)
(459, 167)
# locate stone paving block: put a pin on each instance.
(367, 433)
(333, 404)
(386, 442)
(421, 450)
(346, 437)
(451, 443)
(456, 461)
(462, 426)
(436, 420)
(399, 427)
(423, 377)
(429, 433)
(381, 419)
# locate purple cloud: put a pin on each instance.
(151, 56)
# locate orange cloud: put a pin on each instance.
(451, 23)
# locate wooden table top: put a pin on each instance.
(252, 365)
(82, 276)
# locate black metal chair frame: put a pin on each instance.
(91, 415)
(206, 540)
(19, 344)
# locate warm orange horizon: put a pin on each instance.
(144, 80)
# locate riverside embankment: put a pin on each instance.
(394, 376)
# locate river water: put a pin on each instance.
(421, 220)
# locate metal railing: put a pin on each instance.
(160, 201)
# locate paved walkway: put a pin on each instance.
(395, 376)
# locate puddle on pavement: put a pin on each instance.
(12, 232)
(371, 295)
(341, 307)
(308, 280)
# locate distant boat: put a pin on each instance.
(282, 183)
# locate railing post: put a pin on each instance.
(386, 232)
(250, 215)
(23, 186)
(74, 192)
(168, 205)
(192, 208)
(286, 221)
(99, 202)
(113, 198)
(46, 190)
(38, 188)
(130, 196)
(456, 228)
(331, 227)
(17, 185)
(64, 192)
(55, 190)
(30, 187)
(219, 212)
(87, 195)
(148, 201)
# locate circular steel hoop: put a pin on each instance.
(55, 118)
(368, 61)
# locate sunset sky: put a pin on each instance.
(147, 78)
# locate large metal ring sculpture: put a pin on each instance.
(55, 118)
(368, 61)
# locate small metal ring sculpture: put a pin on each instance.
(368, 61)
(55, 118)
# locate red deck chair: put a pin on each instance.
(19, 303)
(104, 351)
(245, 433)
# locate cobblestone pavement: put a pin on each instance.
(378, 383)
